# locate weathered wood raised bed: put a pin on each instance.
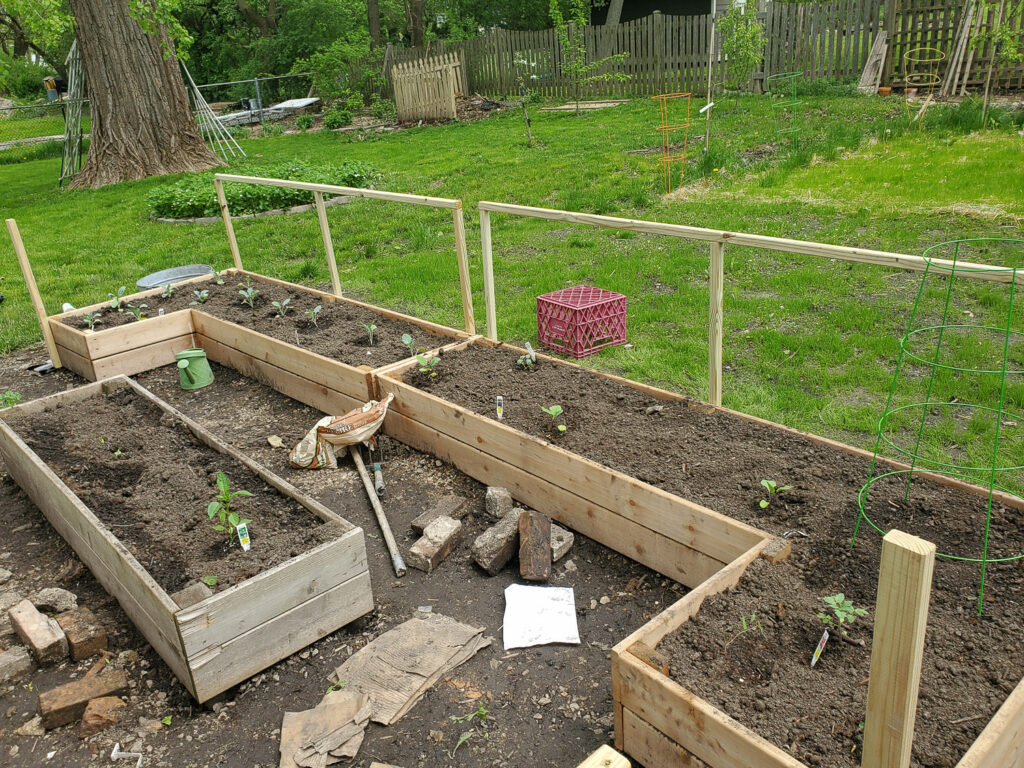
(233, 634)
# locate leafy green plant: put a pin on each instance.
(335, 687)
(166, 720)
(210, 581)
(271, 129)
(382, 109)
(201, 297)
(282, 307)
(227, 520)
(337, 117)
(313, 315)
(554, 411)
(92, 319)
(115, 298)
(525, 362)
(480, 714)
(773, 489)
(304, 122)
(9, 398)
(410, 342)
(742, 45)
(370, 328)
(428, 365)
(249, 294)
(843, 613)
(575, 67)
(137, 310)
(747, 623)
(168, 291)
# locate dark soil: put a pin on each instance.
(339, 333)
(149, 480)
(971, 662)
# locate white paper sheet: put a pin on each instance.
(539, 616)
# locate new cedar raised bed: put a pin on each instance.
(237, 632)
(133, 347)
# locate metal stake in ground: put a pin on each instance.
(382, 520)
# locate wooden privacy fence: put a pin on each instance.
(426, 89)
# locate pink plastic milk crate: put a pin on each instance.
(581, 320)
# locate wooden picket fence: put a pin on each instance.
(425, 89)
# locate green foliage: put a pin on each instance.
(210, 581)
(428, 365)
(554, 411)
(137, 310)
(408, 340)
(9, 398)
(304, 122)
(21, 78)
(313, 315)
(249, 294)
(747, 624)
(92, 319)
(194, 195)
(742, 45)
(346, 66)
(168, 291)
(282, 307)
(381, 108)
(1007, 40)
(843, 613)
(525, 362)
(337, 117)
(227, 520)
(271, 129)
(579, 71)
(201, 297)
(370, 328)
(115, 299)
(773, 489)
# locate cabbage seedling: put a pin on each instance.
(554, 411)
(282, 307)
(408, 340)
(370, 328)
(221, 508)
(137, 311)
(168, 291)
(249, 295)
(313, 315)
(428, 365)
(115, 299)
(201, 297)
(92, 319)
(9, 398)
(773, 488)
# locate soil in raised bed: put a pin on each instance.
(339, 333)
(971, 662)
(149, 480)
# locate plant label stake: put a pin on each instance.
(501, 407)
(243, 536)
(820, 648)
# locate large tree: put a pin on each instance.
(142, 123)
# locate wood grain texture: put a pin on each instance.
(651, 747)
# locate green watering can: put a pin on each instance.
(193, 369)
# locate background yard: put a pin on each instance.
(808, 342)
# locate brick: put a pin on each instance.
(561, 542)
(85, 635)
(67, 703)
(436, 543)
(99, 715)
(54, 600)
(14, 662)
(451, 506)
(40, 633)
(498, 502)
(192, 594)
(534, 545)
(497, 545)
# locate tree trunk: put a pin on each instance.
(373, 18)
(414, 14)
(142, 124)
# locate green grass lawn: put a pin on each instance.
(808, 342)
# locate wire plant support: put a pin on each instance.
(782, 95)
(955, 406)
(921, 78)
(668, 155)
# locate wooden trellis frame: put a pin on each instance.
(426, 89)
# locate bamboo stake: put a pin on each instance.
(33, 290)
(389, 538)
(485, 246)
(716, 278)
(228, 226)
(325, 232)
(901, 615)
(462, 255)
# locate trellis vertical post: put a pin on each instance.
(463, 258)
(325, 232)
(901, 615)
(716, 278)
(225, 214)
(485, 246)
(33, 290)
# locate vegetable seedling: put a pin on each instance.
(221, 508)
(313, 315)
(168, 291)
(554, 411)
(843, 613)
(9, 398)
(249, 295)
(773, 488)
(480, 714)
(747, 623)
(92, 319)
(428, 366)
(282, 307)
(410, 342)
(201, 297)
(137, 311)
(210, 581)
(115, 299)
(525, 362)
(370, 328)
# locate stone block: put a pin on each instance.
(192, 594)
(14, 662)
(40, 633)
(534, 545)
(85, 635)
(66, 703)
(497, 545)
(99, 715)
(8, 600)
(451, 506)
(438, 540)
(561, 542)
(54, 600)
(498, 501)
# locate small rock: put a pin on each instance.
(593, 604)
(561, 543)
(33, 727)
(451, 506)
(605, 600)
(125, 658)
(570, 566)
(8, 600)
(14, 662)
(5, 575)
(149, 725)
(498, 501)
(54, 600)
(100, 713)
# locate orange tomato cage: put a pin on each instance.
(667, 128)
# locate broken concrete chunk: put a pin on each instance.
(85, 635)
(33, 727)
(40, 633)
(498, 501)
(438, 540)
(54, 600)
(67, 702)
(497, 545)
(5, 575)
(99, 715)
(8, 600)
(561, 542)
(14, 662)
(534, 545)
(451, 506)
(192, 594)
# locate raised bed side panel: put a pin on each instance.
(1001, 744)
(143, 600)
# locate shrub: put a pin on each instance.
(194, 195)
(382, 109)
(304, 122)
(271, 129)
(22, 79)
(337, 118)
(742, 45)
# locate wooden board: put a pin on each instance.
(1001, 744)
(651, 747)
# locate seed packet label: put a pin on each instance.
(500, 406)
(243, 536)
(820, 648)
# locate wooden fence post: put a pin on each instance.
(33, 290)
(463, 258)
(716, 278)
(485, 246)
(325, 232)
(901, 615)
(225, 214)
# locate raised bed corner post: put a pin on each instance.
(325, 232)
(485, 245)
(462, 254)
(33, 290)
(225, 214)
(716, 278)
(901, 615)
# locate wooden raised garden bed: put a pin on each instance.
(251, 624)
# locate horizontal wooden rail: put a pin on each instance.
(333, 189)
